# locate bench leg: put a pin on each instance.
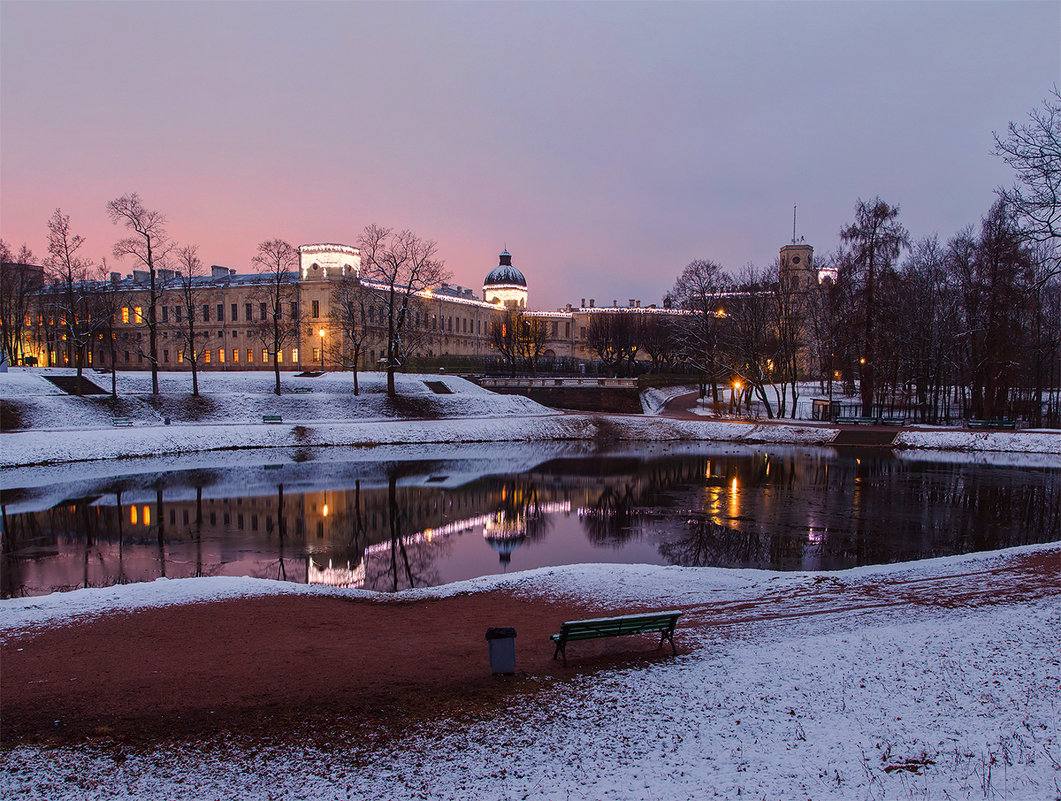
(561, 651)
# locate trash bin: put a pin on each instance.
(502, 644)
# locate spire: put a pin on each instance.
(504, 259)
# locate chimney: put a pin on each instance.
(667, 301)
(631, 303)
(583, 304)
(217, 271)
(141, 276)
(591, 301)
(116, 277)
(639, 303)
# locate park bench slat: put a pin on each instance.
(272, 418)
(123, 422)
(662, 623)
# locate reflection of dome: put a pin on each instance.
(504, 274)
(504, 546)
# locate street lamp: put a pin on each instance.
(321, 335)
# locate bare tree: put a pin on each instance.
(699, 290)
(613, 337)
(19, 282)
(349, 304)
(657, 336)
(277, 263)
(193, 343)
(110, 297)
(875, 240)
(148, 244)
(1033, 149)
(403, 264)
(73, 290)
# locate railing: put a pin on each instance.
(553, 382)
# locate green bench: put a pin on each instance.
(272, 418)
(661, 623)
(123, 422)
(856, 421)
(999, 423)
(892, 421)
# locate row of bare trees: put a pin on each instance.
(76, 301)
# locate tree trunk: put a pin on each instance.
(276, 371)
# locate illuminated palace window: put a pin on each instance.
(294, 354)
(250, 354)
(138, 314)
(221, 355)
(125, 314)
(265, 355)
(235, 355)
(206, 356)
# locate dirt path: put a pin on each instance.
(269, 665)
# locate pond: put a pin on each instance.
(394, 520)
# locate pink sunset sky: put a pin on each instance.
(605, 144)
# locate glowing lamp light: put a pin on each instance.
(861, 359)
(736, 384)
(321, 333)
(324, 511)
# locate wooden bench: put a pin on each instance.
(662, 623)
(272, 418)
(123, 422)
(892, 421)
(1000, 423)
(856, 421)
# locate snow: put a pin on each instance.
(654, 399)
(809, 697)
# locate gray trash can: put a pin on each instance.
(502, 644)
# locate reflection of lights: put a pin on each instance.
(324, 511)
(814, 537)
(336, 576)
(429, 535)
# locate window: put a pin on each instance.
(165, 314)
(250, 354)
(316, 354)
(206, 356)
(138, 314)
(280, 356)
(372, 314)
(165, 356)
(221, 312)
(235, 355)
(177, 312)
(180, 357)
(206, 313)
(125, 315)
(316, 309)
(294, 310)
(235, 308)
(140, 357)
(262, 315)
(265, 355)
(294, 355)
(220, 355)
(248, 312)
(567, 330)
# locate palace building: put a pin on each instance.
(231, 322)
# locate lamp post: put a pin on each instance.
(320, 333)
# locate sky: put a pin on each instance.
(605, 144)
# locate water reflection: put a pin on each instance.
(413, 524)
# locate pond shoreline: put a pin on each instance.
(41, 448)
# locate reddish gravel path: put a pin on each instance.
(265, 662)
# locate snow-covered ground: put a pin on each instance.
(935, 679)
(243, 397)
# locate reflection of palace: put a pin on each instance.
(796, 510)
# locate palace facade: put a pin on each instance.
(230, 309)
